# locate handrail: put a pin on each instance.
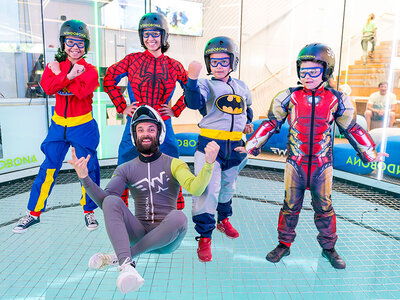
(267, 78)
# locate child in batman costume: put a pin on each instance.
(224, 103)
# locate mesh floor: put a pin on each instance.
(49, 261)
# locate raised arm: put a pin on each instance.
(196, 184)
(115, 186)
(194, 99)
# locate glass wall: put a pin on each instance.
(269, 33)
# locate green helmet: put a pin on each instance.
(75, 28)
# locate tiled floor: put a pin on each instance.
(50, 260)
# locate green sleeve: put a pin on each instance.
(193, 184)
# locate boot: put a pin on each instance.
(280, 251)
(336, 261)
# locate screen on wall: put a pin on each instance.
(184, 17)
(122, 14)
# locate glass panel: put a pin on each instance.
(271, 41)
(370, 73)
(113, 34)
(22, 106)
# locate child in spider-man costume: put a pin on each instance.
(310, 110)
(152, 79)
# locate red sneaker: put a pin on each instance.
(180, 204)
(204, 249)
(226, 227)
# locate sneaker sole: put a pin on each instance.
(92, 228)
(19, 230)
(204, 261)
(23, 230)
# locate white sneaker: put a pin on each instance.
(129, 279)
(100, 260)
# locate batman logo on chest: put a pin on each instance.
(230, 104)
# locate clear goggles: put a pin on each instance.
(72, 42)
(312, 72)
(224, 62)
(153, 33)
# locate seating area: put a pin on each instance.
(364, 78)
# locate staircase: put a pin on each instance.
(364, 79)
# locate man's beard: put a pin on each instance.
(147, 149)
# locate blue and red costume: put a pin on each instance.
(72, 125)
(310, 115)
(152, 81)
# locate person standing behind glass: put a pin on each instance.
(369, 36)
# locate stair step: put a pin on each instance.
(363, 71)
(368, 65)
(358, 76)
(359, 83)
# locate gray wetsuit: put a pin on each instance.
(157, 226)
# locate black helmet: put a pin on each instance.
(75, 28)
(318, 53)
(157, 21)
(222, 44)
(146, 113)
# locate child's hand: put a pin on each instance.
(54, 66)
(194, 70)
(248, 129)
(80, 165)
(76, 70)
(240, 149)
(253, 151)
(379, 156)
(211, 151)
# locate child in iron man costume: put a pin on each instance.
(310, 110)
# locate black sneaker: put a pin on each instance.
(91, 222)
(336, 261)
(280, 251)
(25, 222)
